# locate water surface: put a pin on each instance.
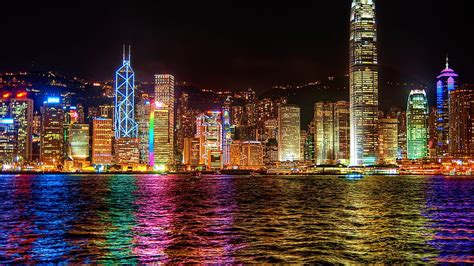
(152, 218)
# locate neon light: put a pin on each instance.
(6, 95)
(21, 95)
(53, 100)
(151, 137)
(7, 121)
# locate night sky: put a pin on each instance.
(235, 44)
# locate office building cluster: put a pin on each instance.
(164, 132)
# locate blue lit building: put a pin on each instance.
(8, 141)
(125, 124)
(446, 82)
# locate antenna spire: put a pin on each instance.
(447, 61)
(123, 57)
(129, 52)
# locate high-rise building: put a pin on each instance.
(164, 94)
(80, 113)
(433, 132)
(8, 141)
(324, 132)
(125, 124)
(363, 78)
(126, 151)
(227, 131)
(102, 135)
(417, 125)
(461, 121)
(143, 120)
(191, 152)
(78, 142)
(52, 139)
(20, 109)
(106, 111)
(209, 132)
(446, 82)
(160, 137)
(342, 131)
(388, 140)
(289, 133)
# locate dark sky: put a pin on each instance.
(232, 44)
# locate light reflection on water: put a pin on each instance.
(151, 218)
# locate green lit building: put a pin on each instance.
(417, 125)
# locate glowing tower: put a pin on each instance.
(447, 82)
(363, 77)
(417, 125)
(125, 124)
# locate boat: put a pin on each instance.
(353, 176)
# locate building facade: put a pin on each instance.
(363, 83)
(289, 133)
(417, 125)
(461, 121)
(446, 83)
(164, 94)
(102, 135)
(388, 140)
(52, 138)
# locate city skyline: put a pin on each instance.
(314, 50)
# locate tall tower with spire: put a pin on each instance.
(363, 79)
(446, 83)
(125, 124)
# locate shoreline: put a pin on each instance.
(214, 174)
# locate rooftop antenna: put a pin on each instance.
(447, 61)
(129, 52)
(124, 52)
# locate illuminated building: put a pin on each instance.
(52, 139)
(246, 155)
(126, 151)
(363, 79)
(37, 124)
(209, 132)
(265, 110)
(191, 152)
(433, 133)
(446, 82)
(160, 137)
(78, 142)
(143, 120)
(461, 121)
(342, 132)
(331, 132)
(417, 125)
(164, 93)
(402, 135)
(388, 140)
(106, 111)
(289, 133)
(125, 125)
(102, 135)
(226, 133)
(8, 141)
(303, 140)
(324, 132)
(236, 115)
(80, 114)
(20, 109)
(270, 130)
(270, 152)
(308, 147)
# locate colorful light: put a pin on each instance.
(53, 100)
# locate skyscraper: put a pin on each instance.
(102, 135)
(447, 82)
(363, 78)
(160, 137)
(289, 133)
(324, 132)
(20, 109)
(209, 132)
(52, 139)
(78, 142)
(342, 132)
(417, 125)
(164, 95)
(143, 120)
(388, 140)
(8, 141)
(461, 121)
(125, 124)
